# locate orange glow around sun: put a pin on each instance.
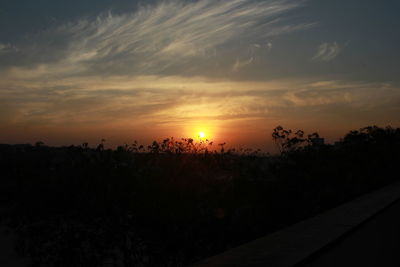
(200, 130)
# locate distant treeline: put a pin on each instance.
(177, 201)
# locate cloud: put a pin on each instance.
(240, 64)
(162, 38)
(78, 101)
(6, 48)
(150, 106)
(252, 51)
(328, 51)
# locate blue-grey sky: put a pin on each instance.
(74, 71)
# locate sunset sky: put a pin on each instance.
(76, 71)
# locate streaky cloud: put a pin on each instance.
(240, 64)
(328, 51)
(160, 38)
(7, 48)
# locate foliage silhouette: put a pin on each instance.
(286, 141)
(177, 201)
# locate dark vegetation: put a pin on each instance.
(176, 202)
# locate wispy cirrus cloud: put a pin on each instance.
(161, 38)
(328, 51)
(240, 64)
(250, 56)
(158, 99)
(6, 48)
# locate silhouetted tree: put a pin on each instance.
(286, 141)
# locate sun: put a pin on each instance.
(200, 131)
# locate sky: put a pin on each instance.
(81, 71)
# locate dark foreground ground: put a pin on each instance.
(176, 202)
(362, 232)
(373, 244)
